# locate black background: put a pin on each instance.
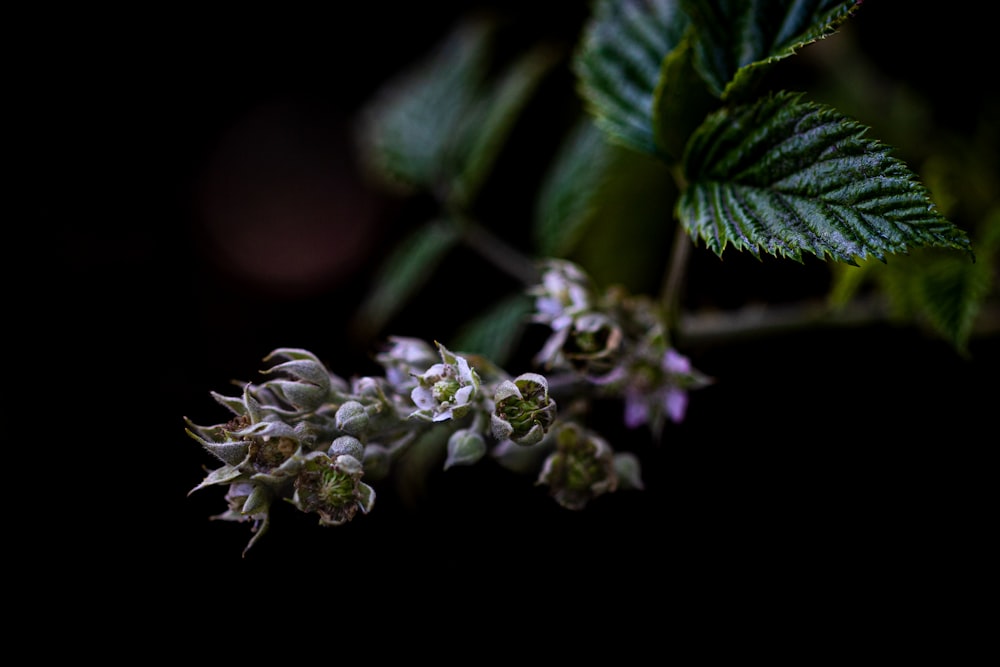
(826, 467)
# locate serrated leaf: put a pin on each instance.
(618, 65)
(787, 176)
(494, 333)
(488, 124)
(407, 132)
(408, 268)
(735, 38)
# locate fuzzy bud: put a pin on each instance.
(352, 418)
(346, 444)
(465, 447)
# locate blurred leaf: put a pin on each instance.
(735, 39)
(494, 333)
(787, 176)
(565, 203)
(408, 131)
(847, 281)
(631, 223)
(618, 64)
(405, 271)
(951, 294)
(942, 290)
(440, 126)
(489, 122)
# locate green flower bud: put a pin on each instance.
(581, 468)
(346, 444)
(523, 409)
(352, 418)
(629, 470)
(465, 447)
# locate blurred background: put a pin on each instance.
(194, 200)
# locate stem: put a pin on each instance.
(503, 255)
(673, 278)
(755, 321)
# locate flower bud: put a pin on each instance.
(565, 292)
(311, 382)
(352, 418)
(346, 444)
(629, 470)
(465, 447)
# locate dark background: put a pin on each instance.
(193, 201)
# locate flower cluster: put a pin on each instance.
(315, 440)
(294, 437)
(617, 343)
(308, 436)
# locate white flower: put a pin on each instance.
(445, 390)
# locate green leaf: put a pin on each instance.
(635, 199)
(565, 202)
(786, 176)
(596, 199)
(736, 38)
(408, 131)
(681, 102)
(407, 268)
(494, 333)
(440, 126)
(931, 287)
(488, 124)
(618, 65)
(951, 296)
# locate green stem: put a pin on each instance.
(673, 278)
